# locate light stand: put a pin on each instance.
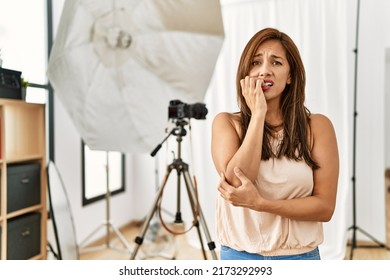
(354, 226)
(181, 169)
(107, 224)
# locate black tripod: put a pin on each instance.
(181, 169)
(354, 227)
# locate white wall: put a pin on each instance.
(387, 89)
(136, 201)
(387, 107)
(68, 161)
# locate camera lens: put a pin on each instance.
(198, 111)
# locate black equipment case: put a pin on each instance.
(10, 84)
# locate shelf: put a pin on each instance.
(25, 158)
(22, 143)
(23, 211)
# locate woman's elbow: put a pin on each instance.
(327, 214)
(232, 180)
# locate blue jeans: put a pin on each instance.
(228, 253)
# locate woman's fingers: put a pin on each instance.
(251, 85)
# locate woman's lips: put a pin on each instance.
(267, 85)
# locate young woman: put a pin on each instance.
(278, 162)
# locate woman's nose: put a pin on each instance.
(264, 70)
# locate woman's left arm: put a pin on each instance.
(317, 207)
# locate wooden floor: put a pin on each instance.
(164, 246)
(367, 251)
(168, 246)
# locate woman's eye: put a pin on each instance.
(256, 62)
(277, 63)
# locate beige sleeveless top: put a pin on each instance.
(269, 234)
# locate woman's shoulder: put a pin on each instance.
(224, 119)
(319, 120)
(320, 124)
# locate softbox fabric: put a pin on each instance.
(115, 65)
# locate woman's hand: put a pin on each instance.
(253, 93)
(245, 195)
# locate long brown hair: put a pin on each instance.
(296, 117)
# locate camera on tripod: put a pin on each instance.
(179, 110)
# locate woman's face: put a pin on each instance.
(271, 65)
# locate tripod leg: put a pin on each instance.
(140, 238)
(379, 244)
(120, 237)
(82, 244)
(353, 245)
(354, 241)
(195, 214)
(191, 193)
